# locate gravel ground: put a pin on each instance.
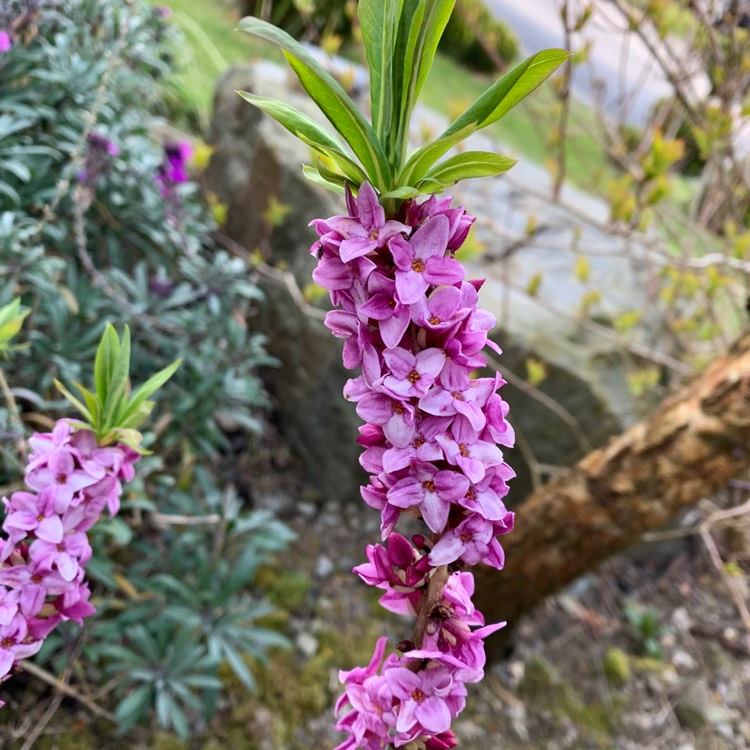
(648, 652)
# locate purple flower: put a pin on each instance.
(368, 230)
(471, 541)
(384, 307)
(416, 442)
(61, 474)
(412, 375)
(430, 490)
(441, 312)
(457, 394)
(421, 262)
(412, 323)
(35, 514)
(5, 41)
(472, 456)
(422, 698)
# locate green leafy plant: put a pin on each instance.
(400, 41)
(646, 629)
(111, 412)
(90, 236)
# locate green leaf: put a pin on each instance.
(347, 120)
(315, 177)
(118, 381)
(379, 21)
(73, 400)
(296, 122)
(422, 25)
(333, 101)
(509, 90)
(93, 404)
(106, 355)
(134, 707)
(348, 168)
(330, 175)
(239, 667)
(469, 164)
(11, 322)
(401, 193)
(138, 399)
(422, 159)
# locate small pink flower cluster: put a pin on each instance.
(410, 321)
(72, 480)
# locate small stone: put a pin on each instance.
(323, 566)
(681, 620)
(695, 707)
(306, 644)
(682, 660)
(306, 510)
(743, 729)
(516, 671)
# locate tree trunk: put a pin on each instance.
(689, 448)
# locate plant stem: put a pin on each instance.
(432, 599)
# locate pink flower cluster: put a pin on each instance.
(409, 319)
(72, 480)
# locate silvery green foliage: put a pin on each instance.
(92, 232)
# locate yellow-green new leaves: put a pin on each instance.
(11, 320)
(111, 411)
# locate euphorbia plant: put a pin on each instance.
(411, 323)
(72, 475)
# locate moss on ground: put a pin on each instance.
(543, 686)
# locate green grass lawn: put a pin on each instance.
(214, 44)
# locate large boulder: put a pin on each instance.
(585, 396)
(256, 169)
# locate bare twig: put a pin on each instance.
(68, 691)
(168, 519)
(15, 417)
(734, 590)
(276, 275)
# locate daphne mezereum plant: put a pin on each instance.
(72, 475)
(410, 322)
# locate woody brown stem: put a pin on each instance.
(432, 599)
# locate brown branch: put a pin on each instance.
(689, 448)
(432, 599)
(67, 690)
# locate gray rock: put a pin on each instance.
(694, 706)
(323, 566)
(306, 644)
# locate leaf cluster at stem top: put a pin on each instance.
(111, 411)
(400, 39)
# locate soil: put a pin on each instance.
(648, 652)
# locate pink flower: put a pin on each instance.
(383, 306)
(5, 41)
(471, 541)
(412, 375)
(369, 230)
(61, 475)
(430, 490)
(421, 261)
